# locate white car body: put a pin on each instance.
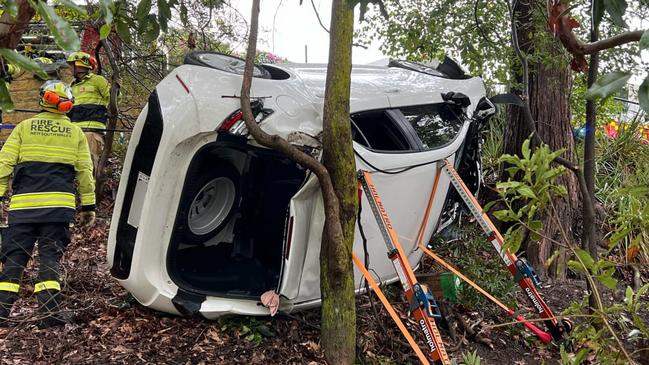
(144, 252)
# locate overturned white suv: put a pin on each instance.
(206, 220)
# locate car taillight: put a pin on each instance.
(289, 238)
(231, 121)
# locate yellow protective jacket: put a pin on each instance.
(91, 97)
(46, 153)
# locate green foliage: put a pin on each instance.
(605, 109)
(616, 8)
(5, 100)
(621, 182)
(607, 85)
(11, 6)
(529, 189)
(643, 95)
(474, 255)
(594, 336)
(471, 358)
(421, 30)
(22, 61)
(64, 36)
(602, 269)
(250, 329)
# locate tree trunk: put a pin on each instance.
(336, 273)
(338, 186)
(548, 98)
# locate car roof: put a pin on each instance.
(411, 87)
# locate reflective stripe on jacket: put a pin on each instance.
(46, 153)
(91, 96)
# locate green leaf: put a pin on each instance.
(143, 10)
(22, 61)
(598, 11)
(6, 105)
(607, 85)
(183, 14)
(106, 7)
(164, 14)
(488, 206)
(608, 281)
(151, 30)
(644, 40)
(643, 94)
(585, 258)
(11, 6)
(616, 8)
(123, 30)
(504, 215)
(104, 31)
(581, 354)
(72, 5)
(527, 192)
(515, 239)
(618, 235)
(525, 149)
(576, 266)
(628, 298)
(535, 225)
(63, 33)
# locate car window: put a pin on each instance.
(435, 124)
(377, 131)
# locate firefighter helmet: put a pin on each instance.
(56, 97)
(82, 59)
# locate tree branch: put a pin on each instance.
(562, 24)
(330, 199)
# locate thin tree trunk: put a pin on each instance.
(336, 274)
(549, 104)
(338, 331)
(113, 113)
(589, 242)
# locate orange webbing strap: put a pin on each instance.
(390, 309)
(431, 198)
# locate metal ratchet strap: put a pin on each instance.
(406, 276)
(509, 258)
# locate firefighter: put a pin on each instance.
(91, 94)
(45, 153)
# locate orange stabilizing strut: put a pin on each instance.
(542, 335)
(523, 273)
(422, 305)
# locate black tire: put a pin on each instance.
(210, 197)
(223, 62)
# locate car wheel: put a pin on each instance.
(209, 202)
(223, 62)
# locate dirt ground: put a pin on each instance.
(112, 328)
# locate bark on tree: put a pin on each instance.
(338, 331)
(113, 113)
(336, 272)
(548, 98)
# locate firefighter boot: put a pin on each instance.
(49, 300)
(7, 300)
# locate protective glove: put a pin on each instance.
(87, 219)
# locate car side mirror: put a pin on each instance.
(484, 110)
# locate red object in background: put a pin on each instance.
(611, 129)
(90, 39)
